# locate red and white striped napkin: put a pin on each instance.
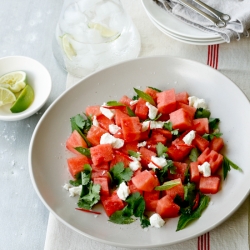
(232, 60)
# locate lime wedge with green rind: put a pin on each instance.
(67, 47)
(14, 81)
(6, 96)
(24, 100)
(104, 31)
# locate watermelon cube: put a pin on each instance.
(166, 208)
(101, 153)
(141, 110)
(166, 101)
(131, 128)
(76, 164)
(201, 126)
(75, 140)
(181, 119)
(145, 181)
(94, 135)
(209, 185)
(103, 182)
(93, 110)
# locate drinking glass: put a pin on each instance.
(93, 34)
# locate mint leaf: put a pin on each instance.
(210, 137)
(168, 126)
(161, 150)
(133, 153)
(83, 151)
(120, 174)
(119, 217)
(185, 219)
(130, 112)
(226, 166)
(163, 173)
(194, 154)
(213, 123)
(158, 90)
(145, 96)
(114, 103)
(168, 185)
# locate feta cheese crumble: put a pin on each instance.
(107, 112)
(152, 125)
(95, 122)
(197, 102)
(188, 138)
(152, 111)
(159, 161)
(73, 191)
(132, 103)
(113, 129)
(205, 169)
(123, 191)
(156, 221)
(110, 139)
(135, 164)
(141, 144)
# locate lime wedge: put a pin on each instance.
(67, 47)
(15, 81)
(24, 100)
(6, 96)
(104, 31)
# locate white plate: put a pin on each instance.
(188, 40)
(38, 78)
(47, 154)
(172, 24)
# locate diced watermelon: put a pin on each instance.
(94, 135)
(112, 203)
(104, 122)
(93, 110)
(181, 168)
(146, 155)
(76, 164)
(194, 172)
(176, 190)
(182, 97)
(126, 101)
(75, 140)
(103, 182)
(129, 146)
(131, 129)
(151, 199)
(209, 185)
(120, 157)
(181, 120)
(133, 188)
(166, 101)
(141, 110)
(166, 208)
(152, 93)
(155, 138)
(200, 142)
(216, 144)
(189, 109)
(101, 153)
(119, 115)
(145, 181)
(100, 174)
(212, 157)
(102, 166)
(201, 126)
(164, 132)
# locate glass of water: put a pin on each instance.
(93, 34)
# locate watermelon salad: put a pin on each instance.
(150, 157)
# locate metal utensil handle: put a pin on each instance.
(218, 22)
(220, 15)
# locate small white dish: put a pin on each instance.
(38, 78)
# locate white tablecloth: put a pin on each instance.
(232, 60)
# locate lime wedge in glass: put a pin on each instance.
(24, 100)
(104, 31)
(14, 81)
(6, 96)
(67, 47)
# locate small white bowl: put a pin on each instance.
(38, 78)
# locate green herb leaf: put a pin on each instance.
(185, 219)
(76, 182)
(168, 184)
(226, 166)
(119, 217)
(194, 154)
(190, 192)
(210, 137)
(202, 113)
(213, 123)
(145, 96)
(168, 126)
(158, 90)
(120, 174)
(83, 151)
(161, 150)
(114, 103)
(130, 112)
(163, 173)
(133, 153)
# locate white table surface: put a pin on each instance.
(27, 28)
